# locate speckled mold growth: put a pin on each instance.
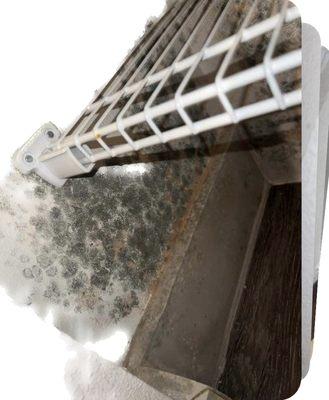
(90, 251)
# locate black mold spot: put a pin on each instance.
(100, 280)
(52, 293)
(27, 272)
(79, 282)
(40, 192)
(55, 213)
(124, 306)
(69, 269)
(37, 273)
(66, 303)
(38, 222)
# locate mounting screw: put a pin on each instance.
(29, 158)
(51, 134)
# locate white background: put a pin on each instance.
(54, 54)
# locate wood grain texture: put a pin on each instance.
(264, 355)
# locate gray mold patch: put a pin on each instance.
(90, 251)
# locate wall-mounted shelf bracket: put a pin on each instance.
(32, 157)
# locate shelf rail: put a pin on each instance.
(57, 156)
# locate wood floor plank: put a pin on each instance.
(264, 355)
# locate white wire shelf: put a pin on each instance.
(77, 151)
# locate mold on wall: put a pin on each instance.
(90, 252)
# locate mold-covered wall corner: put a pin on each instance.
(90, 252)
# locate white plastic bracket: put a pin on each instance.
(32, 157)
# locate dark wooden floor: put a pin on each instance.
(264, 355)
